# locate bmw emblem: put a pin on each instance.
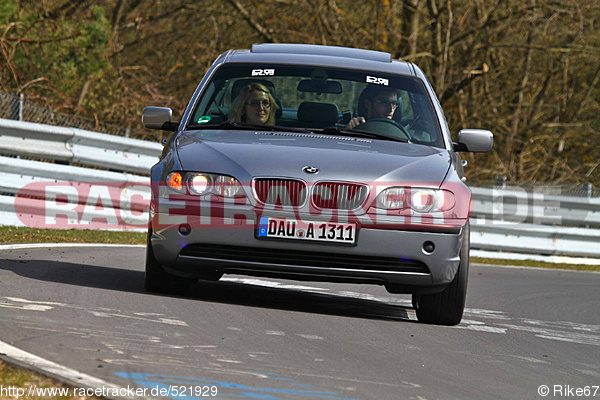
(310, 170)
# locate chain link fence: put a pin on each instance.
(16, 107)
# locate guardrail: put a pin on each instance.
(77, 146)
(124, 161)
(504, 220)
(531, 222)
(534, 206)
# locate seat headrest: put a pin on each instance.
(321, 113)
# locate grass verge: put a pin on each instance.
(19, 383)
(11, 234)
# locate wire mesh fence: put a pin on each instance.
(16, 107)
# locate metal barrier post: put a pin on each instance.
(21, 102)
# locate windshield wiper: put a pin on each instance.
(278, 128)
(246, 126)
(358, 133)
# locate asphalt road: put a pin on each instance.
(85, 308)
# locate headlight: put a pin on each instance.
(392, 199)
(421, 200)
(220, 185)
(228, 186)
(200, 184)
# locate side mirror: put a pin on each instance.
(474, 140)
(159, 118)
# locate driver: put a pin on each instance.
(379, 102)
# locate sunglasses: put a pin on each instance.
(259, 104)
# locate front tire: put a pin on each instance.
(446, 307)
(159, 281)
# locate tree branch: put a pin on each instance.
(253, 23)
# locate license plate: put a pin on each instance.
(285, 228)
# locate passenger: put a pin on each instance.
(254, 105)
(379, 102)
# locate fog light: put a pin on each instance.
(185, 229)
(428, 247)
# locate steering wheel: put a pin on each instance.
(385, 126)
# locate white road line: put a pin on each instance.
(531, 268)
(54, 370)
(18, 246)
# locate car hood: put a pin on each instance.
(248, 154)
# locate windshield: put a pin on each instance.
(318, 100)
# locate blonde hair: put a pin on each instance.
(237, 114)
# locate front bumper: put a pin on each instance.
(385, 256)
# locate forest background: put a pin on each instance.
(527, 70)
